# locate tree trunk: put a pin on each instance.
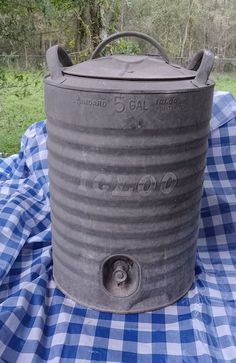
(26, 57)
(78, 36)
(122, 14)
(186, 29)
(96, 23)
(89, 26)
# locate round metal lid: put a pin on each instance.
(131, 67)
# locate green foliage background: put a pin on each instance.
(29, 27)
(21, 104)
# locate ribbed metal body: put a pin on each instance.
(127, 139)
(126, 173)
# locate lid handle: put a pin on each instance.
(203, 63)
(57, 58)
(115, 36)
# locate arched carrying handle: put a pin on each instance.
(57, 58)
(203, 63)
(115, 36)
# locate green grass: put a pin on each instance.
(21, 103)
(225, 82)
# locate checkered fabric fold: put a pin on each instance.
(39, 324)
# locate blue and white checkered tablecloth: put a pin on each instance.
(39, 324)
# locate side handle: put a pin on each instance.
(57, 59)
(203, 63)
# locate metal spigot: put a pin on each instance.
(119, 273)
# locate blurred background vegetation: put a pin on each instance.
(29, 27)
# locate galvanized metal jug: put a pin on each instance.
(127, 140)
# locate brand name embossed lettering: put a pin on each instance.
(91, 102)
